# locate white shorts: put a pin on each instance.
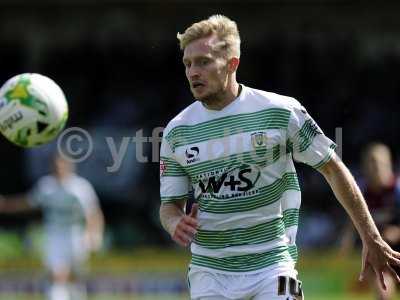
(64, 250)
(275, 284)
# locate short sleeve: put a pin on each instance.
(87, 197)
(309, 144)
(37, 195)
(174, 182)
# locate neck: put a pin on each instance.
(226, 98)
(61, 177)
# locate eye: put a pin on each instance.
(204, 61)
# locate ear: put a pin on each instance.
(233, 64)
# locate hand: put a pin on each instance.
(186, 228)
(379, 257)
(93, 241)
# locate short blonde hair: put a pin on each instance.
(225, 29)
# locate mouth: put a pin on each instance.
(196, 85)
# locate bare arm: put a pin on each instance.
(181, 227)
(376, 252)
(15, 204)
(94, 229)
(349, 195)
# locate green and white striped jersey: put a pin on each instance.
(239, 162)
(65, 204)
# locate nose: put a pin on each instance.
(192, 72)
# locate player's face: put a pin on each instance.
(378, 167)
(62, 167)
(206, 70)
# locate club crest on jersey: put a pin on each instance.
(259, 139)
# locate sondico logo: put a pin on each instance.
(192, 155)
(241, 183)
(11, 120)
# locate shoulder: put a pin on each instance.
(271, 100)
(185, 117)
(45, 181)
(44, 185)
(82, 188)
(80, 181)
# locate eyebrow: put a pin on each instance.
(196, 58)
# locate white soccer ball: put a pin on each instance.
(33, 110)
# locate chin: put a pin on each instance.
(201, 97)
(207, 97)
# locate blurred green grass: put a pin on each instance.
(325, 274)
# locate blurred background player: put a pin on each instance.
(73, 224)
(381, 190)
